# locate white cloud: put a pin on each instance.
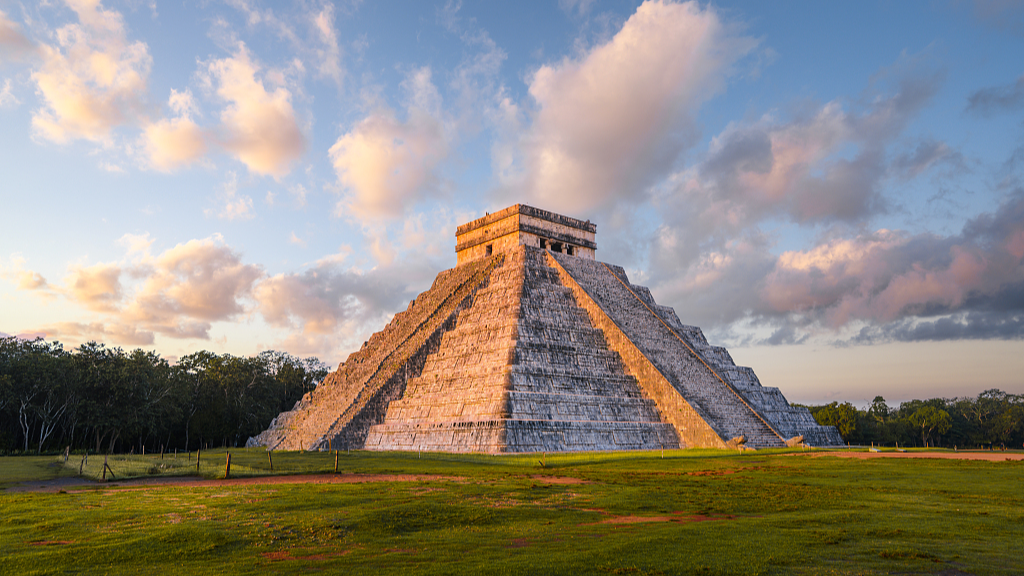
(20, 277)
(329, 55)
(136, 244)
(299, 192)
(233, 206)
(258, 127)
(92, 80)
(386, 164)
(7, 97)
(189, 286)
(612, 122)
(175, 142)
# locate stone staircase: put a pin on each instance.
(524, 370)
(705, 391)
(340, 411)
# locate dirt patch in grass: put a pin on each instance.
(723, 471)
(713, 472)
(287, 555)
(558, 479)
(196, 482)
(636, 519)
(681, 517)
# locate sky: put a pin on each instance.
(833, 190)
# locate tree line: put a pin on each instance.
(105, 399)
(994, 418)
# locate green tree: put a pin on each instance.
(929, 419)
(843, 416)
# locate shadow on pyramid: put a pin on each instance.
(531, 345)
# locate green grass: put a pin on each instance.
(762, 513)
(14, 470)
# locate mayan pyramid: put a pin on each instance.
(530, 344)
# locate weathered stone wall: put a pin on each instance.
(789, 421)
(522, 225)
(352, 398)
(631, 308)
(524, 370)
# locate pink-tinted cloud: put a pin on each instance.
(172, 143)
(386, 164)
(92, 80)
(610, 123)
(328, 309)
(191, 285)
(178, 293)
(96, 287)
(965, 285)
(23, 279)
(258, 126)
(76, 333)
(14, 45)
(827, 163)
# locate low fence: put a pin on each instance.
(249, 462)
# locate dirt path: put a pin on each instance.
(59, 484)
(981, 455)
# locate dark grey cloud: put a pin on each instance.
(996, 99)
(927, 153)
(977, 325)
(1003, 15)
(824, 164)
(902, 287)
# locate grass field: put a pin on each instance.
(689, 512)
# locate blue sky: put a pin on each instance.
(833, 190)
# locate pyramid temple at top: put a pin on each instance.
(530, 344)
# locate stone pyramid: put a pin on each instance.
(529, 345)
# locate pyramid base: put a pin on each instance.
(510, 436)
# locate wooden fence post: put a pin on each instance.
(105, 468)
(270, 457)
(227, 467)
(335, 461)
(199, 453)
